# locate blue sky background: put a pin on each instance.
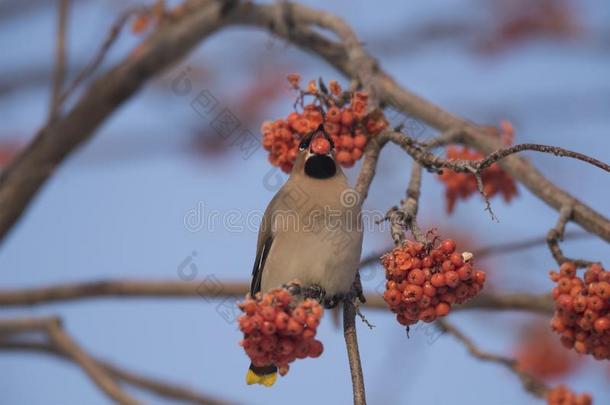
(116, 208)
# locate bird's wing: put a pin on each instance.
(259, 264)
(263, 246)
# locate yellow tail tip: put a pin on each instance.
(265, 379)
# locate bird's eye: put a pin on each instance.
(304, 144)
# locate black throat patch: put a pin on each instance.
(320, 167)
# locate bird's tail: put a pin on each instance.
(261, 375)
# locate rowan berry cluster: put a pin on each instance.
(424, 281)
(344, 115)
(495, 179)
(277, 330)
(561, 395)
(582, 309)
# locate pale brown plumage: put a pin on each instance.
(311, 233)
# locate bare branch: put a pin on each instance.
(161, 388)
(555, 150)
(556, 234)
(99, 57)
(176, 289)
(369, 166)
(59, 70)
(351, 342)
(62, 341)
(120, 289)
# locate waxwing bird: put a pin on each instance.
(311, 232)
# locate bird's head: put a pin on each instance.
(316, 157)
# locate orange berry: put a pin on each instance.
(448, 246)
(315, 349)
(416, 276)
(392, 297)
(347, 118)
(442, 309)
(320, 145)
(412, 293)
(360, 141)
(438, 280)
(567, 269)
(428, 315)
(452, 279)
(299, 315)
(294, 328)
(602, 324)
(343, 157)
(333, 115)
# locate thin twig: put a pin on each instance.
(529, 382)
(491, 250)
(353, 354)
(556, 235)
(59, 70)
(99, 57)
(554, 150)
(369, 167)
(405, 216)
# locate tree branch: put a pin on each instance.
(161, 388)
(221, 289)
(62, 341)
(351, 342)
(556, 234)
(529, 382)
(24, 177)
(59, 70)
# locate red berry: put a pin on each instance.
(479, 277)
(392, 297)
(360, 141)
(465, 272)
(448, 246)
(428, 315)
(452, 279)
(602, 324)
(438, 280)
(320, 145)
(315, 349)
(412, 293)
(416, 276)
(294, 328)
(442, 309)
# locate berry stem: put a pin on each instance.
(556, 234)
